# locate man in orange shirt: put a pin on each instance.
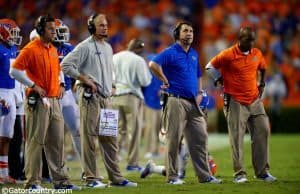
(44, 121)
(236, 69)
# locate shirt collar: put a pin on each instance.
(238, 50)
(42, 44)
(179, 48)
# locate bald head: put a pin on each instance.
(101, 26)
(246, 38)
(136, 45)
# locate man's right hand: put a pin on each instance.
(39, 90)
(165, 85)
(85, 80)
(218, 82)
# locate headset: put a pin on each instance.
(176, 31)
(91, 24)
(41, 23)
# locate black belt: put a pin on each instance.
(85, 86)
(130, 93)
(182, 97)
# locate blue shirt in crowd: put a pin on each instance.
(182, 70)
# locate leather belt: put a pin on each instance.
(130, 93)
(182, 97)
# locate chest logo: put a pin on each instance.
(254, 58)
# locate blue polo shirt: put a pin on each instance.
(6, 54)
(182, 70)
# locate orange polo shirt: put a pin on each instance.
(239, 72)
(41, 65)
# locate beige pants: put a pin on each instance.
(130, 110)
(89, 130)
(252, 117)
(152, 129)
(183, 117)
(45, 129)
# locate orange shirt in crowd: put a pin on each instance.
(41, 65)
(239, 72)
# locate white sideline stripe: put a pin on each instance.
(218, 141)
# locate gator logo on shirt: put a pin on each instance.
(53, 54)
(254, 58)
(194, 58)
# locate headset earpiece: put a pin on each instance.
(41, 23)
(40, 26)
(176, 32)
(91, 24)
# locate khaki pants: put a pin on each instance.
(183, 117)
(130, 109)
(45, 129)
(152, 129)
(252, 117)
(89, 131)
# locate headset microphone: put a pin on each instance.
(102, 35)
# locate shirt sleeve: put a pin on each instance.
(161, 58)
(216, 61)
(263, 64)
(21, 62)
(71, 63)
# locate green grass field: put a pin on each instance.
(284, 160)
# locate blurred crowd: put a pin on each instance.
(216, 23)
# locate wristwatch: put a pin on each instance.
(62, 85)
(32, 86)
(200, 92)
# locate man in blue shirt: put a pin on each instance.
(179, 70)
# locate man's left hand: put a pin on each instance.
(62, 92)
(261, 89)
(198, 98)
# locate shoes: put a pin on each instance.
(125, 183)
(176, 182)
(96, 184)
(267, 177)
(147, 170)
(35, 187)
(67, 186)
(212, 180)
(134, 168)
(240, 179)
